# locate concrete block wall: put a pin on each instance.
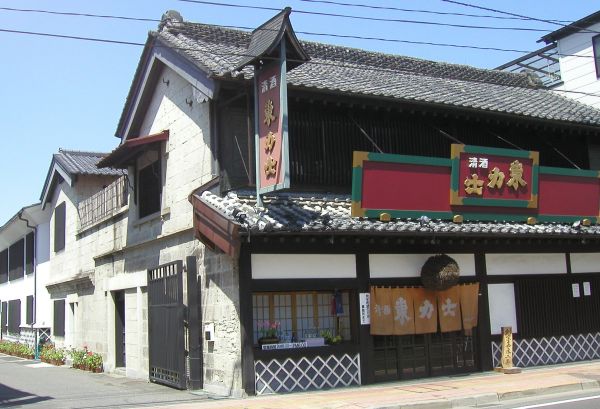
(219, 279)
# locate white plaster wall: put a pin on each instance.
(577, 68)
(526, 263)
(409, 265)
(503, 311)
(18, 289)
(585, 262)
(186, 156)
(44, 304)
(294, 266)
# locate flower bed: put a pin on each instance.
(86, 360)
(52, 355)
(17, 349)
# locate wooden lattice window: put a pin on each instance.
(301, 314)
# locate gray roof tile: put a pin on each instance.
(84, 163)
(298, 213)
(219, 50)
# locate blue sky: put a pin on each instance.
(60, 93)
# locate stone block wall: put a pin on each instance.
(219, 280)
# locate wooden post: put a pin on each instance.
(506, 360)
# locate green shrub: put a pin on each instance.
(87, 360)
(53, 355)
(16, 349)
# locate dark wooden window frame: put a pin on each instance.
(16, 260)
(29, 310)
(59, 227)
(29, 252)
(14, 316)
(4, 266)
(4, 317)
(58, 325)
(149, 189)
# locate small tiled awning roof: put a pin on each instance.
(123, 156)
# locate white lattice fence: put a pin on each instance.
(551, 350)
(291, 375)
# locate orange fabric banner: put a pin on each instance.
(382, 320)
(469, 301)
(403, 311)
(425, 311)
(449, 309)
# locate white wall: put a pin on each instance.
(409, 265)
(525, 263)
(295, 266)
(503, 312)
(577, 68)
(585, 262)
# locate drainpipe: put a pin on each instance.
(34, 228)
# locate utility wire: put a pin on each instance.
(519, 15)
(442, 13)
(347, 36)
(341, 64)
(315, 13)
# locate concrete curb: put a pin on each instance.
(491, 398)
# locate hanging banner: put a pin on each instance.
(425, 311)
(382, 320)
(272, 154)
(403, 311)
(449, 309)
(469, 301)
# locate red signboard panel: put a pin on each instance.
(405, 186)
(569, 195)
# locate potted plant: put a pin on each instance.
(269, 332)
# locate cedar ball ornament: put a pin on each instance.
(440, 272)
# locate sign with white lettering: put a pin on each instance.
(284, 345)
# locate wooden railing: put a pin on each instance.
(104, 204)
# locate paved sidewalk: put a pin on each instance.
(447, 392)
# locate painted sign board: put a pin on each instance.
(477, 183)
(272, 153)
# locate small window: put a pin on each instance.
(59, 318)
(149, 189)
(29, 252)
(14, 317)
(16, 260)
(296, 316)
(596, 47)
(4, 318)
(59, 227)
(29, 310)
(4, 266)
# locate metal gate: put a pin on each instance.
(166, 332)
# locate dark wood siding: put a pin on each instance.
(16, 260)
(4, 266)
(547, 306)
(59, 227)
(29, 310)
(58, 329)
(14, 316)
(29, 252)
(234, 158)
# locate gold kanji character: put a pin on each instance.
(516, 175)
(496, 178)
(269, 117)
(270, 167)
(474, 185)
(270, 142)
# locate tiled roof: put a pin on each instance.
(298, 213)
(349, 71)
(84, 163)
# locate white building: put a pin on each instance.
(570, 62)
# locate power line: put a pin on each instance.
(315, 13)
(442, 13)
(519, 15)
(347, 36)
(231, 54)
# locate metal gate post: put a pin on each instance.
(194, 324)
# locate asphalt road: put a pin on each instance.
(31, 384)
